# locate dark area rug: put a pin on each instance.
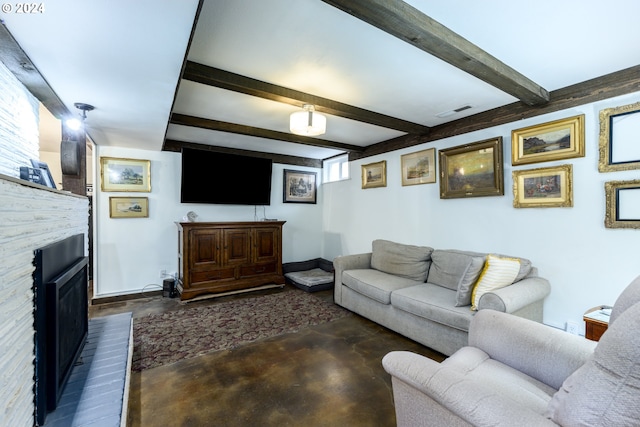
(160, 339)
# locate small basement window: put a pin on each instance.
(336, 168)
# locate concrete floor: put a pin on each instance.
(325, 375)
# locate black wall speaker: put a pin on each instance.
(70, 157)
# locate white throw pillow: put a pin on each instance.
(497, 273)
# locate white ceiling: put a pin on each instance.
(125, 58)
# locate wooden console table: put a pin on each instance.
(220, 257)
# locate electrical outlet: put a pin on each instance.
(573, 328)
(163, 273)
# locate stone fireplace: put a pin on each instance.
(31, 217)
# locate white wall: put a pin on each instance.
(586, 263)
(130, 253)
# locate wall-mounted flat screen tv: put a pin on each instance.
(227, 179)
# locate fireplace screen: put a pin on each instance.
(61, 317)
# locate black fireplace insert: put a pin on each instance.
(61, 318)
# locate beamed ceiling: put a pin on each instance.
(226, 74)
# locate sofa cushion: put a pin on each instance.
(408, 261)
(604, 391)
(434, 303)
(375, 284)
(450, 268)
(468, 281)
(497, 273)
(477, 366)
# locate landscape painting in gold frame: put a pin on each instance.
(557, 140)
(374, 174)
(472, 170)
(543, 187)
(419, 167)
(128, 207)
(619, 148)
(125, 175)
(623, 204)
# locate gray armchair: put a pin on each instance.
(518, 372)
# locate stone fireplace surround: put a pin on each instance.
(31, 216)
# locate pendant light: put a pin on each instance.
(307, 122)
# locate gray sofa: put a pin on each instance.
(519, 373)
(426, 294)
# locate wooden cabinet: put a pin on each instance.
(595, 323)
(218, 257)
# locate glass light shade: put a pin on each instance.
(307, 122)
(74, 124)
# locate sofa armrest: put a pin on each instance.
(516, 296)
(547, 354)
(347, 262)
(470, 400)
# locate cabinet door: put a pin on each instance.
(204, 249)
(266, 244)
(236, 246)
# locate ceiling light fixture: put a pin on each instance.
(76, 124)
(307, 122)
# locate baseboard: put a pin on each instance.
(125, 297)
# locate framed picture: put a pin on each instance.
(299, 187)
(619, 148)
(125, 175)
(623, 204)
(560, 139)
(419, 167)
(46, 173)
(472, 170)
(374, 175)
(543, 187)
(128, 207)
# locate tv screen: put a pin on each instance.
(228, 179)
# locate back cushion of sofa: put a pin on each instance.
(525, 266)
(411, 262)
(450, 268)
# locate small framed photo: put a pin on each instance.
(557, 140)
(374, 175)
(299, 187)
(543, 187)
(128, 207)
(472, 170)
(419, 167)
(623, 204)
(125, 175)
(619, 148)
(46, 173)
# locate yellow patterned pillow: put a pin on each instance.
(497, 273)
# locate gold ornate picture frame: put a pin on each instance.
(556, 140)
(125, 175)
(472, 170)
(374, 174)
(623, 204)
(128, 207)
(618, 143)
(543, 187)
(419, 167)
